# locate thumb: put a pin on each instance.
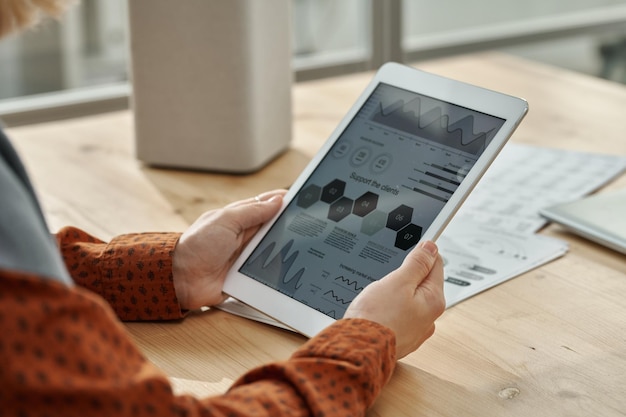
(419, 262)
(255, 214)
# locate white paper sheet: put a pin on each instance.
(478, 257)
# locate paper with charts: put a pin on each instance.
(492, 238)
(524, 179)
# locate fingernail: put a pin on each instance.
(430, 247)
(274, 199)
(264, 197)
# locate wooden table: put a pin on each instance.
(551, 342)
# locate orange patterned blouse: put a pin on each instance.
(64, 352)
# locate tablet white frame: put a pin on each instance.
(307, 320)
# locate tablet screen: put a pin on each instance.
(369, 201)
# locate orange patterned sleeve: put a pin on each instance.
(63, 352)
(133, 272)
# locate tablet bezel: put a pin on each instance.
(307, 320)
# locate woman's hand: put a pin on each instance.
(407, 300)
(207, 250)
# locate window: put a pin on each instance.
(87, 47)
(583, 35)
(79, 65)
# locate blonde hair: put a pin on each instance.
(20, 14)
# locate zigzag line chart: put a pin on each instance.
(433, 124)
(352, 284)
(331, 294)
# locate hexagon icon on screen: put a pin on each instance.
(333, 190)
(340, 209)
(373, 222)
(399, 217)
(309, 196)
(365, 204)
(408, 236)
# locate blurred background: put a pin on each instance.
(84, 57)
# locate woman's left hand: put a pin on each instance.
(207, 250)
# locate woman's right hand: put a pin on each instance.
(407, 300)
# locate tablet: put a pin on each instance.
(393, 173)
(599, 218)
